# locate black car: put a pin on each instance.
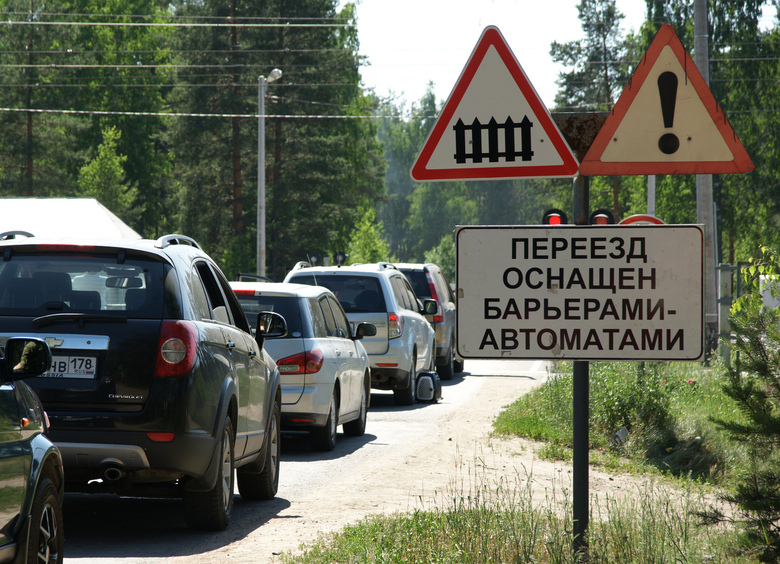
(31, 480)
(157, 386)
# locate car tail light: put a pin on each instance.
(395, 325)
(439, 317)
(177, 350)
(307, 362)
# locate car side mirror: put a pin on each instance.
(270, 325)
(430, 307)
(364, 330)
(26, 357)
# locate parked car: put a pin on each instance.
(157, 386)
(32, 478)
(380, 294)
(428, 281)
(326, 380)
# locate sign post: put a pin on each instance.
(584, 292)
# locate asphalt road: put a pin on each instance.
(406, 454)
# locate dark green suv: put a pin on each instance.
(31, 475)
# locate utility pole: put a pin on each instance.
(705, 213)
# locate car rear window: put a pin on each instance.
(286, 306)
(37, 284)
(357, 294)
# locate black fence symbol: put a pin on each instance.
(493, 153)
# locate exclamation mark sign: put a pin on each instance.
(667, 90)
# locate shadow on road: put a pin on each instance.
(107, 526)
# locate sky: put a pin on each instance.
(411, 42)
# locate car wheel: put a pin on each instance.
(408, 395)
(212, 510)
(324, 438)
(357, 427)
(446, 370)
(46, 540)
(264, 484)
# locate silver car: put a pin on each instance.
(428, 281)
(380, 294)
(324, 369)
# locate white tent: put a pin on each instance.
(59, 218)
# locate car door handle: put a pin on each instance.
(338, 352)
(230, 345)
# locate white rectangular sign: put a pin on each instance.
(628, 292)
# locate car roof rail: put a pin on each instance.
(257, 277)
(5, 235)
(301, 264)
(176, 239)
(384, 265)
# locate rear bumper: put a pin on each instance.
(391, 370)
(133, 456)
(311, 409)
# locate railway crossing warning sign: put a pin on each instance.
(493, 125)
(666, 121)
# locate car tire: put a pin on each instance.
(446, 370)
(408, 395)
(457, 366)
(263, 485)
(357, 427)
(213, 509)
(324, 438)
(46, 540)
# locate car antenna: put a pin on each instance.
(314, 274)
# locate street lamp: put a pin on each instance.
(262, 87)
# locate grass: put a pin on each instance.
(501, 522)
(665, 407)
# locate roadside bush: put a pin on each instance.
(666, 409)
(752, 381)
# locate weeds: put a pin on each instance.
(499, 522)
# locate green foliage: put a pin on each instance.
(367, 244)
(499, 520)
(599, 68)
(752, 381)
(443, 255)
(103, 177)
(665, 407)
(320, 173)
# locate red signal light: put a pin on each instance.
(554, 217)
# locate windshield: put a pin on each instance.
(37, 284)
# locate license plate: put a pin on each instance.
(72, 367)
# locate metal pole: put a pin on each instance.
(704, 207)
(651, 194)
(262, 84)
(580, 405)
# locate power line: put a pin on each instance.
(170, 16)
(156, 24)
(184, 114)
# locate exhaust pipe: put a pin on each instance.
(114, 473)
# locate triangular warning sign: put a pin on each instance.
(666, 121)
(493, 125)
